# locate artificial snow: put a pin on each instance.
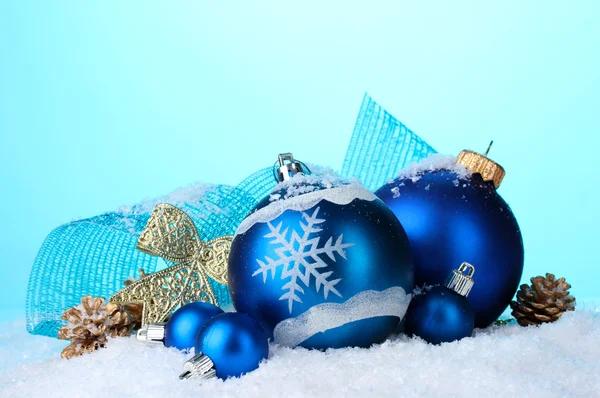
(192, 194)
(339, 195)
(433, 162)
(321, 178)
(555, 360)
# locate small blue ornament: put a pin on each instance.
(443, 314)
(453, 213)
(322, 263)
(229, 345)
(183, 326)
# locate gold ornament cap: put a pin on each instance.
(477, 163)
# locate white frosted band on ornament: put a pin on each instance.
(367, 304)
(339, 196)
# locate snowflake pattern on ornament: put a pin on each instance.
(300, 257)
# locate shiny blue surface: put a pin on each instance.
(234, 342)
(439, 316)
(379, 259)
(448, 224)
(184, 325)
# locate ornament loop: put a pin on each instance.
(459, 282)
(464, 266)
(285, 171)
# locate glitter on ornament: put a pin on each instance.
(322, 317)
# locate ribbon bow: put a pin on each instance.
(172, 235)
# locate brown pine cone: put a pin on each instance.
(80, 347)
(121, 321)
(92, 321)
(544, 301)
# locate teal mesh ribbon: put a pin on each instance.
(95, 255)
(381, 146)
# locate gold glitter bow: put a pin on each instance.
(172, 235)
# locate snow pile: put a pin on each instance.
(19, 347)
(321, 178)
(557, 360)
(191, 194)
(433, 162)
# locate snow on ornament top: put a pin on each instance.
(464, 166)
(434, 162)
(342, 195)
(301, 191)
(304, 183)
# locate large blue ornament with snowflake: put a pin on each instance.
(323, 263)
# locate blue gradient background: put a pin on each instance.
(106, 103)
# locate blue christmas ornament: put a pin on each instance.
(185, 323)
(183, 326)
(452, 213)
(443, 314)
(322, 263)
(230, 345)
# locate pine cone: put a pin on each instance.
(91, 322)
(543, 302)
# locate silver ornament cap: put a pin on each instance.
(459, 282)
(153, 333)
(199, 367)
(288, 167)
